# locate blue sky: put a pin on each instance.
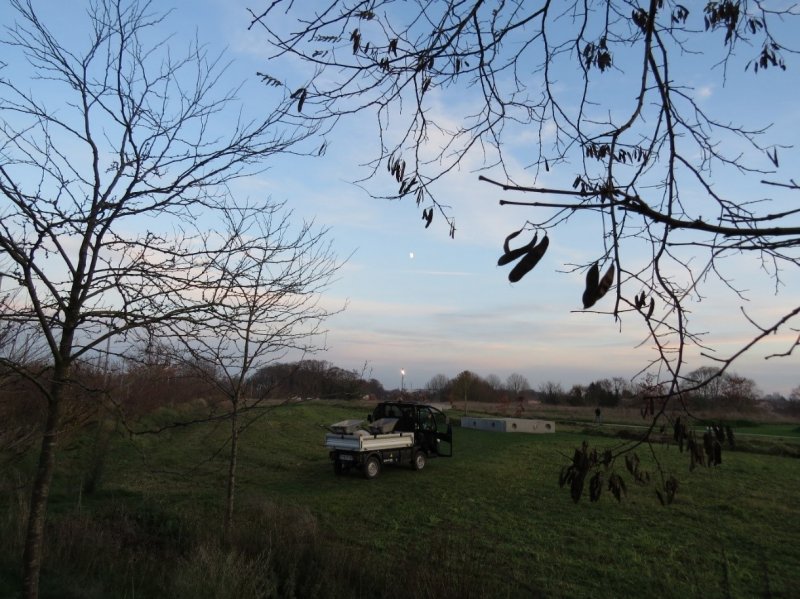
(449, 307)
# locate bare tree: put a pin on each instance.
(112, 157)
(516, 383)
(551, 392)
(437, 385)
(621, 137)
(267, 304)
(494, 382)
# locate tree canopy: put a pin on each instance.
(594, 119)
(618, 131)
(113, 161)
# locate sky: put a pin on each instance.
(422, 302)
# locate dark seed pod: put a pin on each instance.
(605, 282)
(529, 260)
(592, 280)
(596, 486)
(594, 293)
(512, 255)
(652, 307)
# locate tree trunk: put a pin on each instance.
(34, 540)
(228, 523)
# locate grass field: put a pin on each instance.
(489, 522)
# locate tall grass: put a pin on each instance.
(490, 522)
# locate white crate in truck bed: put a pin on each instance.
(363, 441)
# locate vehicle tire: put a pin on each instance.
(372, 467)
(419, 460)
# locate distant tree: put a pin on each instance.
(466, 386)
(264, 306)
(705, 384)
(621, 135)
(112, 154)
(552, 393)
(577, 396)
(437, 385)
(375, 388)
(791, 408)
(716, 388)
(516, 383)
(601, 393)
(494, 382)
(739, 392)
(622, 387)
(341, 383)
(311, 378)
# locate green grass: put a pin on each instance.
(491, 521)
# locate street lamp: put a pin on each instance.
(402, 379)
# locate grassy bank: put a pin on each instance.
(490, 522)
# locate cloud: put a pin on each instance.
(705, 91)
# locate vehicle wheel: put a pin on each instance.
(419, 461)
(372, 468)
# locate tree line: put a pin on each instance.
(728, 390)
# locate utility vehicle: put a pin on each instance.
(398, 433)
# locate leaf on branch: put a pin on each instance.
(616, 484)
(731, 440)
(670, 489)
(640, 300)
(680, 14)
(679, 432)
(393, 46)
(722, 14)
(300, 96)
(596, 486)
(597, 55)
(769, 57)
(427, 216)
(576, 488)
(355, 37)
(632, 463)
(695, 452)
(407, 185)
(397, 168)
(640, 18)
(426, 84)
(269, 79)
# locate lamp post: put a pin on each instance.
(402, 379)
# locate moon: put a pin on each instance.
(411, 255)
